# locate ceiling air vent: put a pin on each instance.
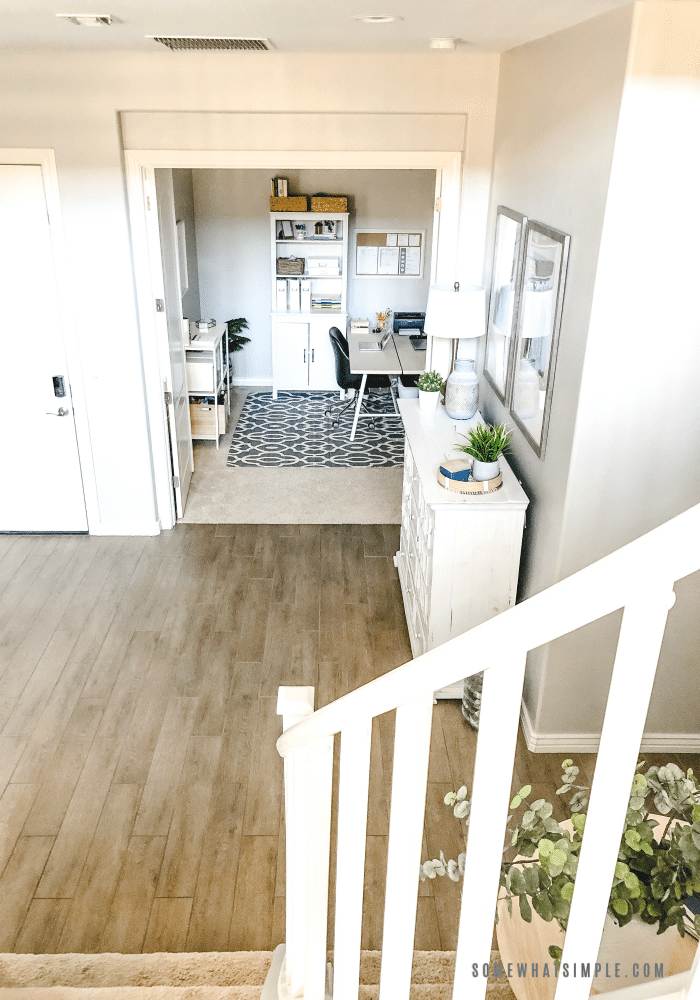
(186, 43)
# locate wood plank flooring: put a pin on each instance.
(141, 804)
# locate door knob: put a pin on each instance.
(62, 412)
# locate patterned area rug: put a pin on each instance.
(293, 431)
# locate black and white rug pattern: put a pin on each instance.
(293, 431)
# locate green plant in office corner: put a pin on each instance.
(431, 382)
(234, 337)
(486, 443)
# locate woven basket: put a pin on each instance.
(333, 203)
(297, 203)
(290, 265)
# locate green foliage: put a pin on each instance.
(430, 381)
(233, 335)
(652, 876)
(486, 443)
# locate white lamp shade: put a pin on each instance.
(456, 314)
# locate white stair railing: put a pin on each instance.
(638, 578)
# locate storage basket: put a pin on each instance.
(297, 203)
(330, 203)
(290, 265)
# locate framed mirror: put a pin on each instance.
(538, 321)
(508, 255)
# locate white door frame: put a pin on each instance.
(139, 165)
(45, 159)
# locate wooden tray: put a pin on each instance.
(471, 487)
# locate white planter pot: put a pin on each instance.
(428, 400)
(483, 471)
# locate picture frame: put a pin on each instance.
(506, 278)
(534, 353)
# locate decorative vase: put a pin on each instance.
(462, 390)
(483, 471)
(526, 396)
(428, 400)
(471, 700)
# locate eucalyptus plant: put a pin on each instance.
(430, 381)
(653, 877)
(486, 443)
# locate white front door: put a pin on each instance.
(174, 363)
(42, 485)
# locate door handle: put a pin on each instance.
(304, 355)
(313, 351)
(62, 412)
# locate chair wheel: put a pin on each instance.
(334, 424)
(326, 413)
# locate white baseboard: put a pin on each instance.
(125, 528)
(251, 381)
(588, 742)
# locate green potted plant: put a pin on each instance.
(235, 340)
(658, 866)
(486, 444)
(429, 386)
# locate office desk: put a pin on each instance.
(397, 358)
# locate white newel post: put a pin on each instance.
(295, 704)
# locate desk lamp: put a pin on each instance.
(458, 314)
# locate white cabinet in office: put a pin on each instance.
(303, 355)
(291, 355)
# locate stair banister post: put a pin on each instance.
(493, 770)
(408, 787)
(634, 670)
(295, 704)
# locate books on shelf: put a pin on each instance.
(326, 302)
(278, 187)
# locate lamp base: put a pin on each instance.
(462, 391)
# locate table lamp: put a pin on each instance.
(458, 314)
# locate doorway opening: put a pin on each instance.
(444, 170)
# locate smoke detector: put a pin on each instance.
(443, 43)
(88, 20)
(193, 43)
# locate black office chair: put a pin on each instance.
(345, 378)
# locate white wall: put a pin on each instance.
(556, 121)
(592, 138)
(233, 240)
(638, 433)
(183, 195)
(69, 101)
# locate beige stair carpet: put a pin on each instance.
(198, 976)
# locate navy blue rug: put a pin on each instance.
(292, 431)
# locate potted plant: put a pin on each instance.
(486, 444)
(658, 866)
(429, 386)
(235, 340)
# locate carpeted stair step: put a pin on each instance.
(199, 976)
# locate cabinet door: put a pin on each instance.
(291, 359)
(321, 358)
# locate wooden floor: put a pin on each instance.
(141, 790)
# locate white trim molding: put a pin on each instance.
(589, 742)
(251, 381)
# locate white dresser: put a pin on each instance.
(459, 557)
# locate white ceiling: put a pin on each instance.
(295, 25)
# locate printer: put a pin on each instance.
(408, 324)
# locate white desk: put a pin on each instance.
(395, 359)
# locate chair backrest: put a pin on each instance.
(343, 375)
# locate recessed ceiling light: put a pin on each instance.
(377, 18)
(88, 20)
(442, 43)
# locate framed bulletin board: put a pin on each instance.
(381, 254)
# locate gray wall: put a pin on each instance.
(233, 243)
(184, 211)
(556, 121)
(592, 138)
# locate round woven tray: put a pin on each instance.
(471, 486)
